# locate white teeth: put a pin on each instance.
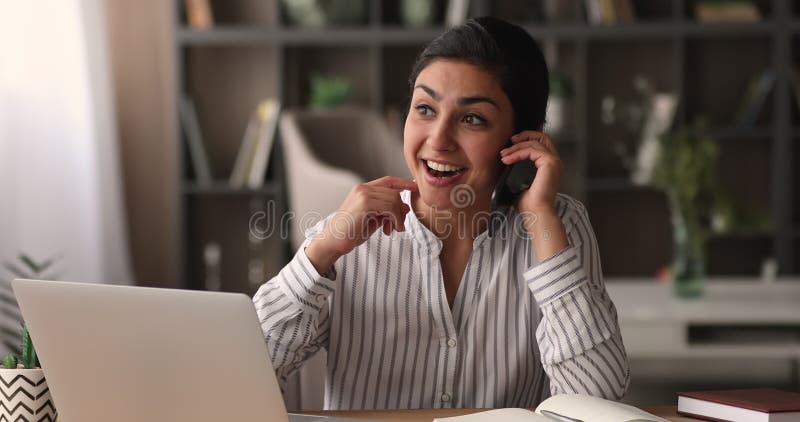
(442, 167)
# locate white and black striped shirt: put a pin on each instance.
(519, 329)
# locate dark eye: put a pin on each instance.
(473, 119)
(424, 110)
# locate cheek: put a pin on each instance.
(411, 145)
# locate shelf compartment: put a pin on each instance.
(226, 85)
(333, 15)
(239, 12)
(612, 67)
(744, 334)
(301, 63)
(796, 188)
(633, 231)
(392, 15)
(738, 133)
(737, 256)
(714, 90)
(744, 170)
(397, 62)
(764, 7)
(226, 221)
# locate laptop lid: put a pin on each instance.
(126, 353)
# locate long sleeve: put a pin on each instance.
(293, 308)
(578, 335)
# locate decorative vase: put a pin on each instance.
(688, 254)
(24, 396)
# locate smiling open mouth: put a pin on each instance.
(442, 170)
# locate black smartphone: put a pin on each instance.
(514, 179)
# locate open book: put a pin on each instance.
(574, 407)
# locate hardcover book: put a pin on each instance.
(752, 405)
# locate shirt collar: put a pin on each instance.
(429, 241)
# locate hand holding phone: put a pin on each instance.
(530, 176)
(514, 180)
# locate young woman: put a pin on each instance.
(433, 311)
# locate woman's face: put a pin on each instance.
(460, 118)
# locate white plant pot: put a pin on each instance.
(24, 395)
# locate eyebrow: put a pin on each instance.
(461, 101)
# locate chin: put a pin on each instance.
(439, 198)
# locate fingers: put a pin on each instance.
(525, 146)
(539, 137)
(394, 182)
(390, 212)
(372, 204)
(531, 151)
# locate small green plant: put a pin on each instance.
(29, 359)
(328, 91)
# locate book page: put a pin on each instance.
(498, 415)
(594, 409)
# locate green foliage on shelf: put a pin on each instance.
(328, 91)
(560, 84)
(687, 167)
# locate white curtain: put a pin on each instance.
(60, 183)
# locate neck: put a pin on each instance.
(456, 225)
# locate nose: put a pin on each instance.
(440, 138)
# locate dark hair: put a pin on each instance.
(508, 53)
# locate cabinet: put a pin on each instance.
(251, 53)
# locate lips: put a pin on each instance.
(442, 178)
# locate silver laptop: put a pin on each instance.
(144, 354)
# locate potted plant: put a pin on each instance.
(24, 394)
(686, 173)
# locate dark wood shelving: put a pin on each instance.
(679, 54)
(398, 35)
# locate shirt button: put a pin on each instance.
(445, 397)
(452, 342)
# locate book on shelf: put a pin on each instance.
(199, 14)
(252, 160)
(564, 407)
(194, 140)
(750, 405)
(755, 97)
(609, 12)
(726, 11)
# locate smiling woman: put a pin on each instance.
(434, 310)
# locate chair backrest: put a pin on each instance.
(328, 152)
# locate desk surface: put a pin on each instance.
(427, 415)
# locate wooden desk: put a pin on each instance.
(427, 415)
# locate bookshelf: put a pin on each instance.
(252, 52)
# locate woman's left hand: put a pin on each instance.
(539, 148)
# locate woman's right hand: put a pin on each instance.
(368, 206)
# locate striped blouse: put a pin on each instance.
(519, 330)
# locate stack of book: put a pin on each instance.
(255, 150)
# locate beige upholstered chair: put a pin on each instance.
(329, 152)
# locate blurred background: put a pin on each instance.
(163, 143)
